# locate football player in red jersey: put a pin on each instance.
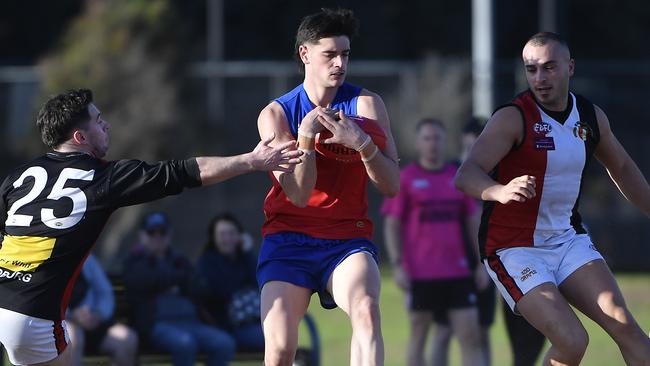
(317, 233)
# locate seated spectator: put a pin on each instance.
(90, 319)
(232, 304)
(157, 280)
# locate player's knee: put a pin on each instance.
(279, 355)
(442, 334)
(365, 313)
(573, 347)
(421, 329)
(469, 337)
(280, 346)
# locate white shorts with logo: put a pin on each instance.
(29, 340)
(516, 271)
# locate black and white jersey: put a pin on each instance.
(52, 210)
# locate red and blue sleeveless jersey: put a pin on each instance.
(338, 205)
(557, 154)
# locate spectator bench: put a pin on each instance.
(305, 355)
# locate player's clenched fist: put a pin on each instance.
(519, 189)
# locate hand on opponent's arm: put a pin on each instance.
(264, 157)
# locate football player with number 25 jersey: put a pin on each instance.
(53, 208)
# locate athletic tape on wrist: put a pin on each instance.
(365, 143)
(372, 156)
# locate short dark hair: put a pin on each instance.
(326, 23)
(542, 38)
(430, 121)
(474, 125)
(63, 113)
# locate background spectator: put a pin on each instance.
(157, 282)
(424, 231)
(232, 304)
(90, 319)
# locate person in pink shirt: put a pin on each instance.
(425, 227)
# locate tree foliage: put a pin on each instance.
(126, 52)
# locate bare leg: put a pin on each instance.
(526, 342)
(484, 340)
(77, 342)
(355, 286)
(121, 343)
(283, 305)
(547, 310)
(465, 326)
(440, 345)
(420, 322)
(593, 290)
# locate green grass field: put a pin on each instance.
(335, 330)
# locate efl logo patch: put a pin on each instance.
(544, 143)
(542, 128)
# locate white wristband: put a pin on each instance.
(372, 156)
(365, 143)
(307, 152)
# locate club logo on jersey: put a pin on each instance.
(582, 130)
(542, 128)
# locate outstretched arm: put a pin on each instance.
(620, 166)
(503, 131)
(278, 157)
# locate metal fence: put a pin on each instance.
(239, 89)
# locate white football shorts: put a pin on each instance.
(516, 271)
(29, 340)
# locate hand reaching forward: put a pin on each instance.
(519, 189)
(283, 157)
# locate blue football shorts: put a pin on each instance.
(306, 261)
